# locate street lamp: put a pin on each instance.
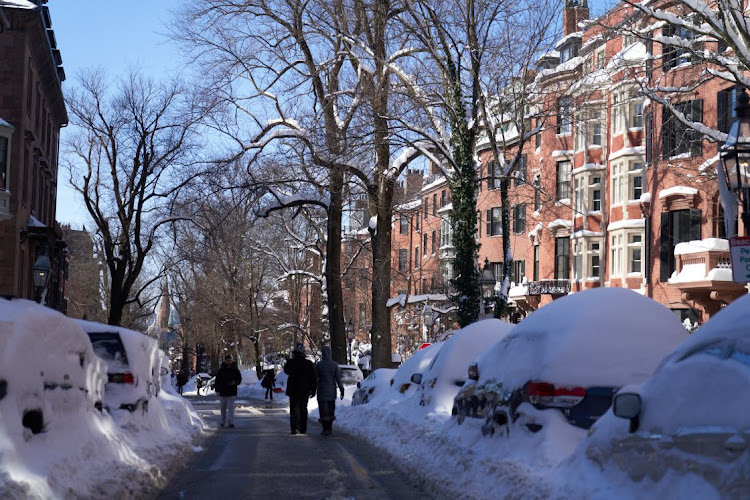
(486, 287)
(40, 272)
(735, 155)
(350, 338)
(428, 320)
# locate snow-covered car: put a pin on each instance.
(571, 356)
(350, 374)
(447, 372)
(48, 370)
(692, 415)
(415, 365)
(378, 381)
(134, 365)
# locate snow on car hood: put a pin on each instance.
(603, 336)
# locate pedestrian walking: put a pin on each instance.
(268, 382)
(227, 379)
(198, 385)
(300, 387)
(182, 379)
(329, 379)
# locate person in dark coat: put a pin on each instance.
(268, 382)
(182, 379)
(329, 379)
(227, 379)
(299, 387)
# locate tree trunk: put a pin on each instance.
(333, 268)
(381, 285)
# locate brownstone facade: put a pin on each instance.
(32, 111)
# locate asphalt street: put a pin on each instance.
(259, 458)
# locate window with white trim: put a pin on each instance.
(563, 116)
(494, 222)
(627, 110)
(588, 191)
(446, 234)
(589, 126)
(626, 252)
(627, 180)
(593, 254)
(562, 188)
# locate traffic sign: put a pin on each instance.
(739, 252)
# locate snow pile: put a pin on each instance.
(48, 365)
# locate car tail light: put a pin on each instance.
(403, 387)
(544, 393)
(121, 378)
(540, 392)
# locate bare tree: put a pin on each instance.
(130, 156)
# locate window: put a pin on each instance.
(434, 241)
(570, 50)
(416, 256)
(497, 270)
(562, 188)
(634, 253)
(579, 195)
(677, 226)
(676, 137)
(403, 225)
(416, 218)
(493, 175)
(615, 250)
(563, 115)
(519, 218)
(596, 194)
(402, 259)
(726, 101)
(446, 234)
(536, 263)
(426, 207)
(3, 163)
(627, 110)
(494, 222)
(627, 181)
(588, 129)
(520, 174)
(578, 258)
(673, 55)
(442, 198)
(434, 205)
(519, 271)
(538, 136)
(594, 260)
(562, 258)
(424, 243)
(537, 195)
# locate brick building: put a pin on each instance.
(614, 190)
(32, 111)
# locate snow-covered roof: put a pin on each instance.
(575, 35)
(626, 224)
(699, 246)
(633, 54)
(18, 4)
(405, 207)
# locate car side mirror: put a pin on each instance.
(416, 378)
(628, 405)
(473, 371)
(359, 385)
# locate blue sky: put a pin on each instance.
(113, 35)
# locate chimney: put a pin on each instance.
(574, 12)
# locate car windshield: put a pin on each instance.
(108, 346)
(739, 353)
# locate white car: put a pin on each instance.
(350, 374)
(570, 357)
(691, 417)
(377, 382)
(134, 365)
(48, 370)
(447, 372)
(416, 364)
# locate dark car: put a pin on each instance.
(569, 356)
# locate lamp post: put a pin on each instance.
(428, 320)
(40, 273)
(350, 338)
(486, 288)
(735, 155)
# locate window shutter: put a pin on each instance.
(721, 111)
(489, 223)
(664, 247)
(649, 124)
(695, 224)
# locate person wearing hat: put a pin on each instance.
(227, 379)
(329, 379)
(300, 387)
